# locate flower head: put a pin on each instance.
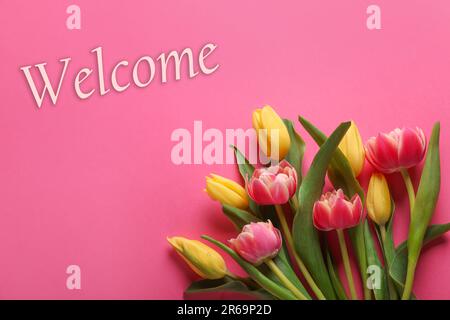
(352, 147)
(205, 261)
(273, 185)
(396, 150)
(257, 242)
(226, 191)
(378, 202)
(273, 136)
(333, 211)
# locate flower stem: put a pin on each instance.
(411, 266)
(301, 265)
(409, 280)
(391, 287)
(294, 204)
(346, 260)
(233, 276)
(285, 280)
(409, 188)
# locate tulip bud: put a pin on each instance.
(399, 149)
(270, 126)
(352, 147)
(378, 199)
(205, 261)
(334, 212)
(226, 191)
(273, 185)
(257, 242)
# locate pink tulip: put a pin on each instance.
(257, 242)
(273, 185)
(399, 149)
(334, 212)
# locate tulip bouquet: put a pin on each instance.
(293, 260)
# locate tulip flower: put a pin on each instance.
(257, 242)
(334, 212)
(399, 149)
(273, 136)
(273, 185)
(352, 147)
(260, 242)
(226, 191)
(205, 261)
(396, 152)
(378, 202)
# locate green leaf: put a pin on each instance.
(305, 235)
(340, 172)
(238, 216)
(341, 176)
(296, 151)
(397, 270)
(246, 170)
(337, 284)
(424, 205)
(227, 284)
(381, 293)
(266, 283)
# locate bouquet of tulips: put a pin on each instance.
(274, 252)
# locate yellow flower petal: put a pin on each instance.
(378, 203)
(202, 259)
(352, 147)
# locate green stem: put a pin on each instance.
(409, 188)
(285, 281)
(411, 264)
(294, 204)
(301, 265)
(391, 287)
(346, 260)
(409, 279)
(233, 276)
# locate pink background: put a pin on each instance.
(92, 183)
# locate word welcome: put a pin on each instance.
(208, 147)
(138, 77)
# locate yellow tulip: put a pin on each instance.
(226, 191)
(378, 203)
(352, 147)
(205, 261)
(268, 126)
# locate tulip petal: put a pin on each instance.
(386, 152)
(411, 148)
(279, 190)
(321, 216)
(223, 194)
(259, 192)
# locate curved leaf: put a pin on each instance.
(337, 284)
(382, 292)
(238, 216)
(424, 205)
(246, 170)
(227, 284)
(304, 233)
(296, 151)
(341, 176)
(397, 270)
